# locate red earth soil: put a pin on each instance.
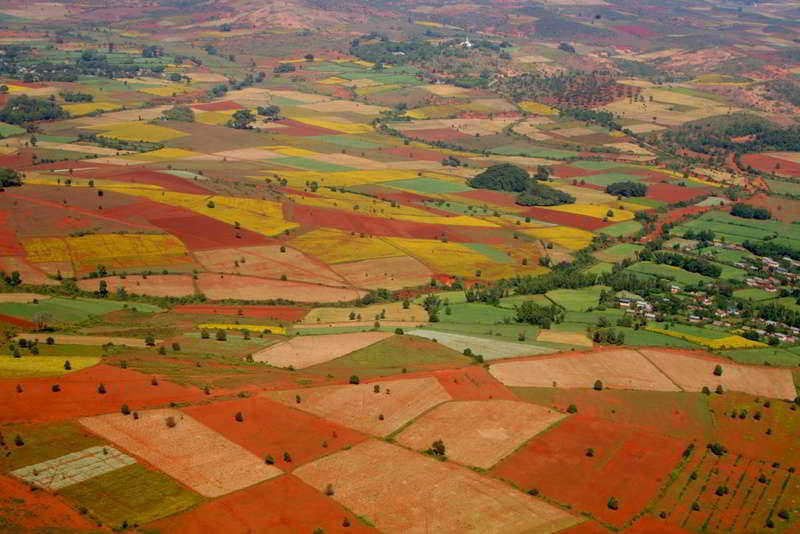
(199, 232)
(784, 209)
(638, 31)
(767, 164)
(272, 428)
(298, 129)
(675, 193)
(652, 525)
(16, 321)
(79, 397)
(280, 313)
(437, 134)
(565, 171)
(498, 198)
(414, 153)
(472, 383)
(9, 246)
(225, 105)
(589, 527)
(630, 464)
(583, 222)
(376, 226)
(283, 505)
(31, 511)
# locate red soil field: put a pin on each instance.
(767, 164)
(127, 174)
(652, 525)
(215, 234)
(388, 273)
(280, 313)
(298, 129)
(437, 134)
(492, 197)
(31, 511)
(9, 246)
(630, 464)
(638, 31)
(413, 153)
(785, 210)
(472, 383)
(589, 527)
(16, 321)
(219, 287)
(376, 226)
(584, 222)
(272, 428)
(283, 505)
(565, 171)
(156, 285)
(79, 397)
(217, 106)
(674, 193)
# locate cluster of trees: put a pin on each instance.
(627, 189)
(9, 177)
(751, 133)
(432, 305)
(687, 263)
(603, 118)
(531, 313)
(779, 313)
(178, 113)
(700, 235)
(270, 112)
(608, 336)
(284, 67)
(242, 119)
(746, 211)
(571, 90)
(490, 295)
(379, 49)
(508, 177)
(70, 96)
(772, 249)
(23, 109)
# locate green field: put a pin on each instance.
(576, 299)
(133, 494)
(708, 332)
(622, 229)
(644, 338)
(490, 252)
(611, 178)
(7, 130)
(735, 229)
(789, 302)
(783, 188)
(66, 310)
(617, 253)
(310, 164)
(391, 356)
(765, 356)
(600, 268)
(428, 185)
(591, 318)
(516, 300)
(667, 271)
(43, 442)
(348, 141)
(589, 165)
(754, 294)
(725, 255)
(475, 313)
(533, 151)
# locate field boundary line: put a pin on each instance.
(660, 370)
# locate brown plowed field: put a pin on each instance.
(629, 463)
(190, 451)
(215, 234)
(621, 369)
(388, 273)
(279, 313)
(79, 397)
(479, 433)
(272, 428)
(404, 492)
(361, 408)
(284, 505)
(472, 383)
(218, 287)
(305, 351)
(157, 285)
(584, 222)
(692, 373)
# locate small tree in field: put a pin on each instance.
(329, 490)
(355, 380)
(204, 334)
(572, 408)
(221, 335)
(718, 370)
(101, 389)
(150, 341)
(719, 390)
(613, 503)
(239, 417)
(125, 410)
(287, 457)
(598, 385)
(269, 460)
(67, 366)
(590, 452)
(171, 422)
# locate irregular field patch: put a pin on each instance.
(389, 273)
(693, 373)
(488, 348)
(157, 285)
(190, 452)
(478, 433)
(629, 464)
(403, 492)
(361, 407)
(219, 287)
(73, 468)
(623, 369)
(305, 351)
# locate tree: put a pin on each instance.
(287, 457)
(355, 380)
(613, 503)
(309, 57)
(503, 177)
(598, 385)
(149, 340)
(125, 410)
(627, 189)
(41, 319)
(572, 408)
(9, 177)
(101, 389)
(241, 119)
(239, 417)
(178, 113)
(717, 370)
(270, 112)
(221, 335)
(329, 490)
(590, 452)
(204, 334)
(437, 448)
(22, 109)
(67, 365)
(269, 460)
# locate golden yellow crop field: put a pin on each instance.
(36, 366)
(537, 108)
(729, 342)
(49, 179)
(213, 117)
(164, 90)
(84, 108)
(112, 250)
(335, 246)
(341, 127)
(264, 217)
(594, 211)
(260, 328)
(139, 131)
(569, 238)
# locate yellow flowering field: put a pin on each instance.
(250, 327)
(594, 211)
(565, 236)
(336, 246)
(35, 366)
(730, 342)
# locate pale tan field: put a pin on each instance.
(568, 338)
(87, 340)
(22, 297)
(346, 106)
(402, 492)
(361, 408)
(191, 452)
(392, 311)
(389, 273)
(304, 351)
(620, 369)
(219, 287)
(693, 373)
(153, 285)
(479, 433)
